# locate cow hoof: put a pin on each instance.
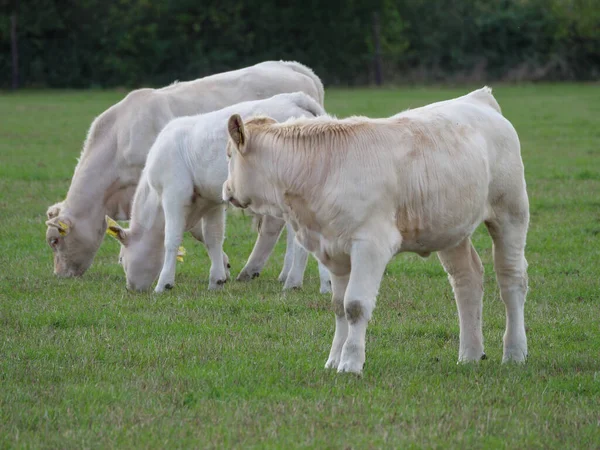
(332, 363)
(484, 356)
(245, 276)
(168, 286)
(292, 285)
(515, 356)
(325, 288)
(216, 285)
(350, 367)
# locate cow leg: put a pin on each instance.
(174, 207)
(196, 231)
(294, 266)
(268, 233)
(213, 231)
(338, 284)
(368, 263)
(465, 273)
(295, 276)
(509, 235)
(289, 254)
(325, 279)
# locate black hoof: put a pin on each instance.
(228, 266)
(168, 286)
(255, 275)
(221, 282)
(484, 356)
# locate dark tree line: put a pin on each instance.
(87, 43)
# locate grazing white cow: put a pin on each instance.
(119, 139)
(358, 191)
(180, 189)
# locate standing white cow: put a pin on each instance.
(180, 189)
(358, 191)
(119, 139)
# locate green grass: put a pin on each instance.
(84, 364)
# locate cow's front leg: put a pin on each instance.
(338, 284)
(175, 209)
(213, 231)
(368, 263)
(268, 234)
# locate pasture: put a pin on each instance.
(85, 364)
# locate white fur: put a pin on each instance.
(181, 187)
(119, 140)
(358, 191)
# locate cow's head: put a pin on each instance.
(74, 241)
(242, 188)
(141, 260)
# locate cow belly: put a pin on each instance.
(440, 233)
(425, 242)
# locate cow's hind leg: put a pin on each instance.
(296, 266)
(213, 232)
(325, 278)
(196, 231)
(509, 232)
(338, 285)
(268, 234)
(295, 275)
(289, 254)
(465, 273)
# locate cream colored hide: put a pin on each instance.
(119, 139)
(180, 189)
(358, 191)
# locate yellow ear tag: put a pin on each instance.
(181, 253)
(111, 223)
(63, 228)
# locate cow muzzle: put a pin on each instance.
(236, 203)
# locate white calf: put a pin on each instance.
(180, 189)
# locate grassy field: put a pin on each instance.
(85, 364)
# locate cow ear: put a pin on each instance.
(62, 224)
(114, 229)
(237, 133)
(54, 210)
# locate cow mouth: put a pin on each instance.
(237, 204)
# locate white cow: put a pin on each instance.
(358, 191)
(180, 189)
(119, 139)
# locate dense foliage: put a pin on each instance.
(84, 43)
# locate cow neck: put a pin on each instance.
(93, 176)
(297, 172)
(147, 215)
